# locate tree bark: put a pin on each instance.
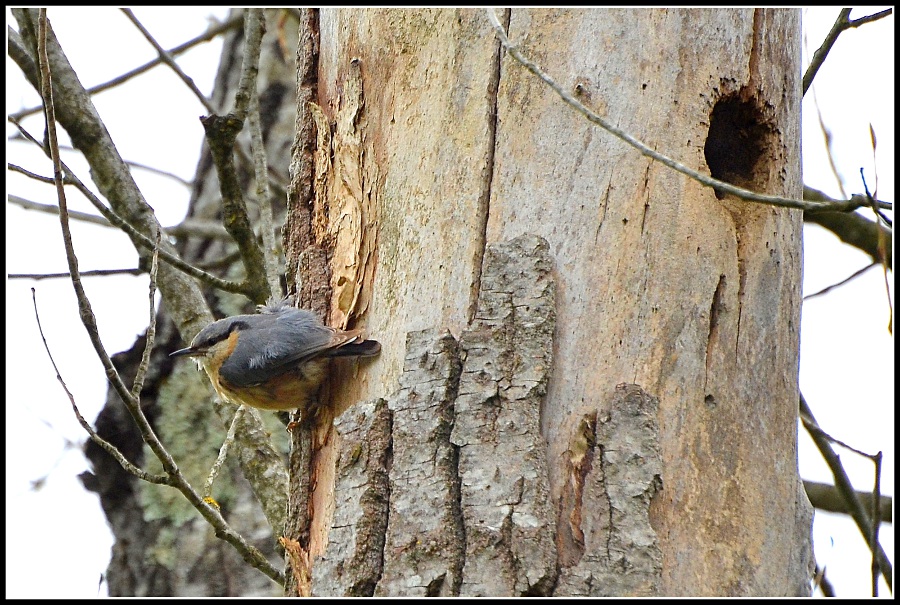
(589, 361)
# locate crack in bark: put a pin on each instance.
(484, 202)
(716, 307)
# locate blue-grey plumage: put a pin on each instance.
(274, 360)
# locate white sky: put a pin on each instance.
(847, 358)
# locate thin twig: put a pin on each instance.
(840, 283)
(158, 171)
(94, 273)
(223, 452)
(819, 57)
(266, 221)
(882, 247)
(873, 17)
(32, 175)
(843, 484)
(84, 217)
(187, 228)
(829, 146)
(173, 52)
(166, 58)
(841, 24)
(103, 443)
(139, 237)
(744, 194)
(141, 373)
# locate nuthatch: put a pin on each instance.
(275, 360)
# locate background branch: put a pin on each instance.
(829, 498)
(187, 227)
(852, 228)
(845, 487)
(177, 480)
(211, 33)
(842, 23)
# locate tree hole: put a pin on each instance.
(736, 140)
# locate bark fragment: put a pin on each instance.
(424, 544)
(614, 476)
(509, 523)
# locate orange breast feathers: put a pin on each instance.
(291, 390)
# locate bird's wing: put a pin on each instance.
(276, 343)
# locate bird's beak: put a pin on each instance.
(189, 351)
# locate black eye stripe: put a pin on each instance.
(219, 336)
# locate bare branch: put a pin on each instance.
(876, 522)
(223, 453)
(644, 149)
(106, 445)
(133, 164)
(173, 52)
(209, 512)
(870, 18)
(842, 23)
(843, 484)
(823, 583)
(138, 237)
(166, 58)
(94, 273)
(32, 175)
(256, 25)
(84, 217)
(851, 227)
(221, 135)
(188, 227)
(143, 366)
(254, 28)
(827, 497)
(819, 57)
(844, 281)
(77, 114)
(266, 221)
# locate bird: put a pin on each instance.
(273, 360)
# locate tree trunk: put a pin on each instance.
(588, 382)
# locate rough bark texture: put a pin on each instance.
(425, 546)
(352, 564)
(682, 482)
(508, 350)
(614, 468)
